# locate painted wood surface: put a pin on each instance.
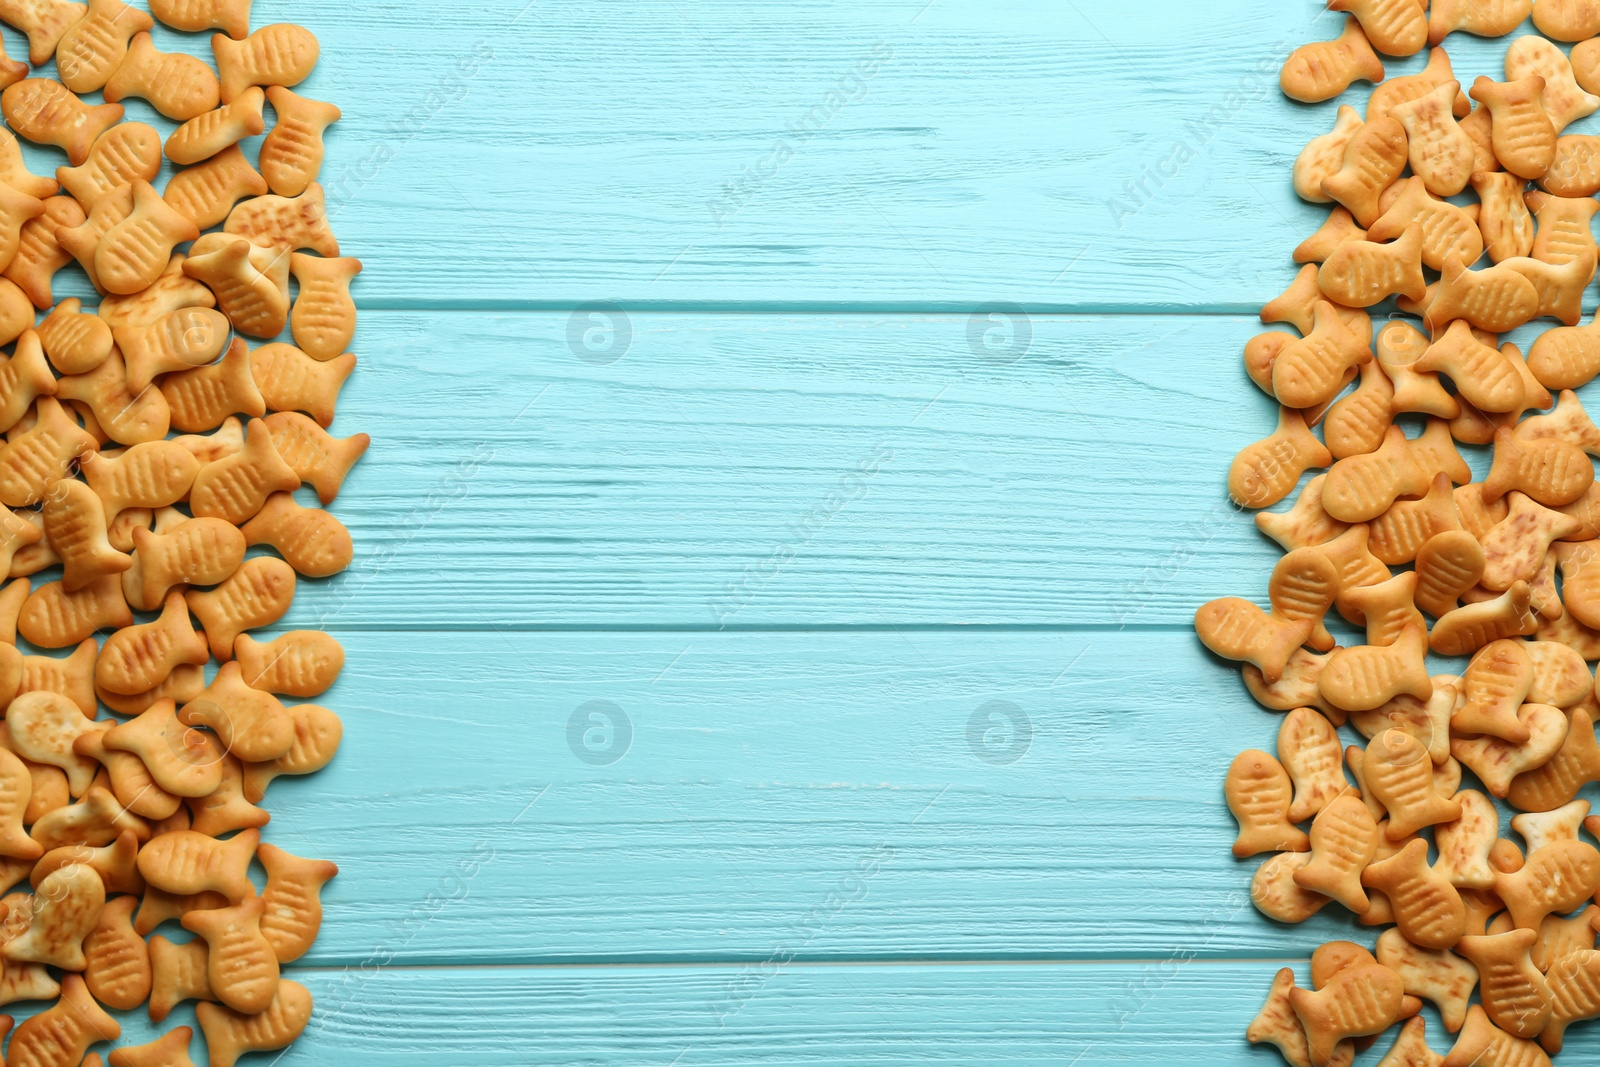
(1064, 157)
(1157, 1011)
(719, 788)
(735, 471)
(886, 154)
(731, 471)
(1016, 796)
(777, 1013)
(804, 522)
(1090, 1014)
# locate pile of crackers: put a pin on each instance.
(164, 486)
(1456, 214)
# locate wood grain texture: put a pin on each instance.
(976, 795)
(1147, 1013)
(793, 470)
(1151, 1013)
(1080, 157)
(1064, 157)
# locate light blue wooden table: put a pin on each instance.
(795, 667)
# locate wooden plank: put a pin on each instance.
(929, 182)
(801, 1015)
(1139, 1013)
(1148, 1014)
(794, 470)
(886, 154)
(755, 779)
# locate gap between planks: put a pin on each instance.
(740, 307)
(714, 965)
(756, 628)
